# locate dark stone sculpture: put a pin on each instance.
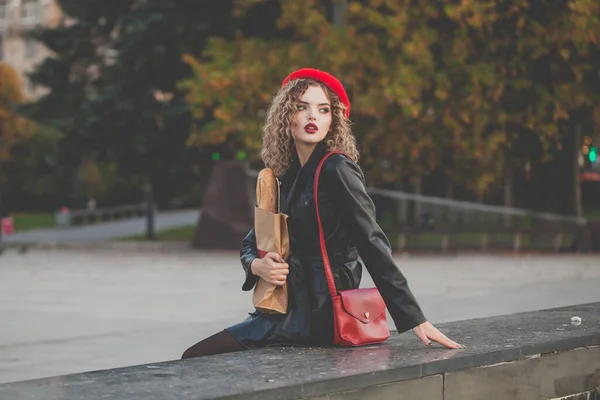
(226, 214)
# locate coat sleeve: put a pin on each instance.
(345, 185)
(248, 253)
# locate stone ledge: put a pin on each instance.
(288, 373)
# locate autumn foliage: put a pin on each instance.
(14, 129)
(464, 89)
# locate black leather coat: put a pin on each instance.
(348, 217)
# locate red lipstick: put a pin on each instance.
(311, 128)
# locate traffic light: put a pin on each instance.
(241, 155)
(593, 154)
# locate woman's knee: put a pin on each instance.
(219, 343)
(186, 354)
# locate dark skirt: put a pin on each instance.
(309, 320)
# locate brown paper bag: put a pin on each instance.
(271, 236)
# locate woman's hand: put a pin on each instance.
(271, 268)
(427, 332)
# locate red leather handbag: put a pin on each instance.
(358, 314)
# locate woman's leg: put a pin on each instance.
(219, 343)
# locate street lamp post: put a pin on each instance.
(149, 211)
(340, 8)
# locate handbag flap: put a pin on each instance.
(363, 304)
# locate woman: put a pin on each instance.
(308, 118)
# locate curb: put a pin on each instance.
(162, 247)
(179, 247)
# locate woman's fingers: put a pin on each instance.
(280, 269)
(277, 269)
(444, 341)
(420, 332)
(278, 277)
(275, 257)
(427, 332)
(279, 281)
(276, 260)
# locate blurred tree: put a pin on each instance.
(476, 89)
(376, 53)
(14, 129)
(113, 87)
(36, 181)
(27, 157)
(79, 45)
(471, 90)
(527, 75)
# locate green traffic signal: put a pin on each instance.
(593, 154)
(216, 156)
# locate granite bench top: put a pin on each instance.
(294, 372)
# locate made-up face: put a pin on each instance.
(313, 117)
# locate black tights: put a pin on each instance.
(218, 343)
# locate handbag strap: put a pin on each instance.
(330, 282)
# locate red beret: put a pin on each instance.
(329, 80)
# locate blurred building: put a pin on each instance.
(17, 19)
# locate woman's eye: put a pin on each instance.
(324, 110)
(301, 107)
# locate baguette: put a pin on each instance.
(266, 190)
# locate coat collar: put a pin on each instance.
(313, 161)
(291, 176)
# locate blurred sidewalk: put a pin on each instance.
(73, 311)
(104, 231)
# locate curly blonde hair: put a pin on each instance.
(277, 140)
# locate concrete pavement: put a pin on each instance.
(106, 230)
(72, 311)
